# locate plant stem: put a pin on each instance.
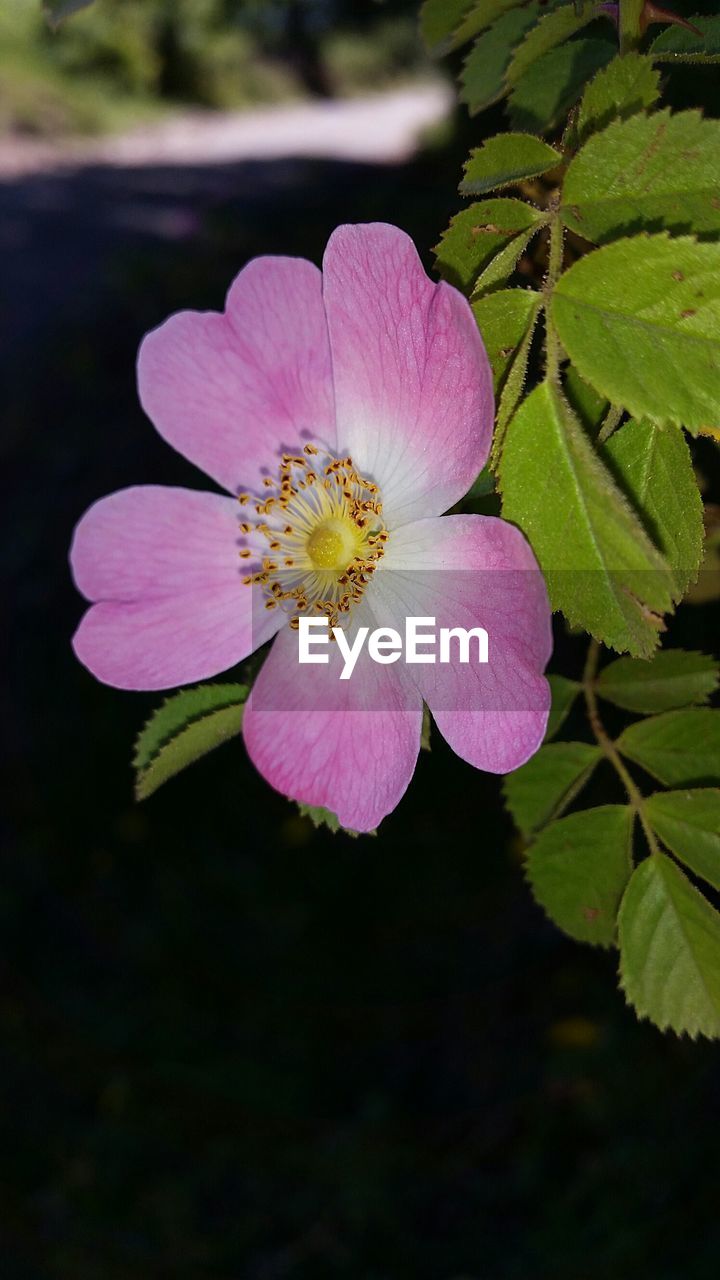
(554, 271)
(630, 24)
(610, 751)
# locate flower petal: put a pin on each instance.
(475, 571)
(232, 391)
(413, 386)
(163, 566)
(350, 746)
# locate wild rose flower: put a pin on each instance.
(344, 412)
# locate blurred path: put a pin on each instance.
(384, 128)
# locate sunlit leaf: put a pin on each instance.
(505, 160)
(670, 950)
(626, 85)
(601, 568)
(688, 822)
(674, 678)
(503, 319)
(648, 173)
(477, 236)
(641, 320)
(578, 869)
(653, 466)
(679, 748)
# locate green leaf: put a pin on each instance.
(505, 160)
(670, 950)
(641, 320)
(578, 869)
(321, 817)
(564, 692)
(475, 237)
(599, 564)
(679, 748)
(674, 44)
(674, 678)
(541, 789)
(56, 11)
(551, 30)
(438, 21)
(688, 822)
(513, 386)
(584, 399)
(503, 319)
(482, 15)
(483, 75)
(626, 85)
(654, 467)
(185, 728)
(551, 85)
(649, 173)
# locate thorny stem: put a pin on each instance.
(555, 264)
(605, 742)
(610, 422)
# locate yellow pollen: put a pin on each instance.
(331, 544)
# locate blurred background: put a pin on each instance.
(233, 1047)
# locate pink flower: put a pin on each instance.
(346, 411)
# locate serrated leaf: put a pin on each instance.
(185, 728)
(578, 869)
(503, 319)
(56, 11)
(625, 86)
(551, 30)
(675, 678)
(505, 160)
(707, 586)
(584, 399)
(544, 95)
(320, 817)
(688, 822)
(475, 237)
(679, 748)
(481, 16)
(438, 22)
(676, 44)
(641, 320)
(513, 387)
(541, 789)
(670, 950)
(564, 692)
(482, 80)
(599, 564)
(649, 173)
(653, 466)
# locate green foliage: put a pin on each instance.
(679, 748)
(675, 678)
(648, 173)
(622, 88)
(438, 22)
(553, 84)
(548, 783)
(677, 45)
(688, 822)
(669, 950)
(484, 75)
(601, 567)
(653, 466)
(56, 11)
(483, 243)
(564, 692)
(551, 29)
(505, 160)
(641, 320)
(504, 318)
(185, 728)
(578, 869)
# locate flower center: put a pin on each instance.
(323, 524)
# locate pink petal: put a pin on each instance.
(476, 571)
(163, 566)
(413, 386)
(350, 746)
(231, 392)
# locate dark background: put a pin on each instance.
(233, 1047)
